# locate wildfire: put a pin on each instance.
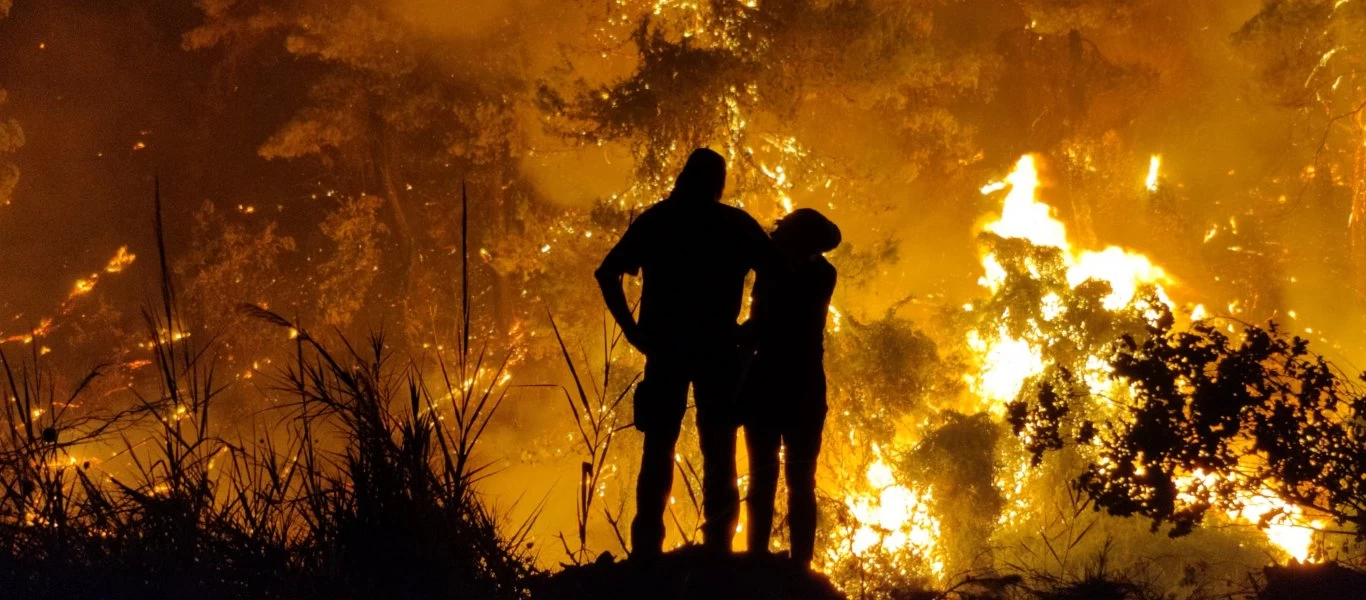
(890, 518)
(1286, 524)
(1022, 216)
(1006, 362)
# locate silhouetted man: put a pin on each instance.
(694, 254)
(784, 392)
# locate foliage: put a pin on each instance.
(958, 460)
(1209, 421)
(1036, 303)
(227, 258)
(1263, 409)
(597, 419)
(345, 277)
(1294, 45)
(881, 372)
(1305, 56)
(749, 80)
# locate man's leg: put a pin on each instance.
(720, 495)
(717, 425)
(660, 400)
(803, 441)
(762, 443)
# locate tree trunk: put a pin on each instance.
(1083, 228)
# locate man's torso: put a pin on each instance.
(694, 261)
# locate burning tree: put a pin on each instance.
(1160, 421)
(1304, 58)
(1216, 420)
(758, 83)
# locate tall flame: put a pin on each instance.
(1154, 169)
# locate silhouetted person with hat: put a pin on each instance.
(693, 253)
(783, 395)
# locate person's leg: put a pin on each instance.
(714, 389)
(803, 445)
(762, 442)
(660, 400)
(720, 495)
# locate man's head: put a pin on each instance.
(806, 231)
(703, 177)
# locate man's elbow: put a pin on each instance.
(602, 273)
(607, 276)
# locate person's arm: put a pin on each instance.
(623, 259)
(765, 262)
(750, 329)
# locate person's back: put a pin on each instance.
(694, 258)
(793, 305)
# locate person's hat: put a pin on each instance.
(813, 229)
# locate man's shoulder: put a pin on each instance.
(651, 215)
(653, 210)
(739, 215)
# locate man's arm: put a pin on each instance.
(762, 253)
(623, 259)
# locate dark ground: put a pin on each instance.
(687, 574)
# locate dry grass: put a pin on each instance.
(362, 488)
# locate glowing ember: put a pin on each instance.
(121, 260)
(82, 286)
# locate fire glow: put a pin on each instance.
(1006, 362)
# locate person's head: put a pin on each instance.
(703, 177)
(806, 231)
